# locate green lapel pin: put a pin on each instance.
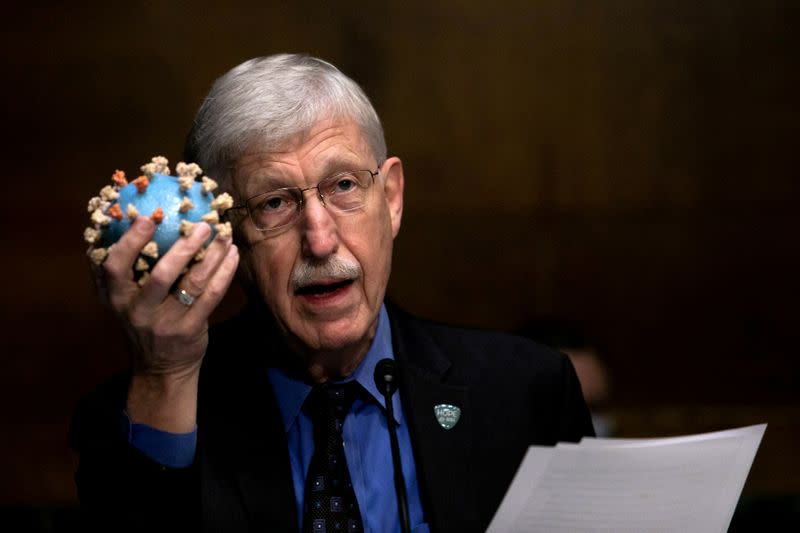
(447, 415)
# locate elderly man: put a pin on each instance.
(273, 421)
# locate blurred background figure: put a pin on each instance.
(567, 336)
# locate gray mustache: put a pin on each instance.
(308, 273)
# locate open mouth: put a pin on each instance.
(320, 289)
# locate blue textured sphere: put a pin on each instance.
(164, 192)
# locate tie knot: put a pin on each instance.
(329, 403)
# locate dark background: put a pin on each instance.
(630, 165)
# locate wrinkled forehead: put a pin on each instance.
(326, 147)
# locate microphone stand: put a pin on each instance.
(385, 379)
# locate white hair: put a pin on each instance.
(307, 272)
(269, 100)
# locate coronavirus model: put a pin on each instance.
(175, 203)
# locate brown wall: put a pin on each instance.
(629, 164)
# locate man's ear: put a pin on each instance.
(393, 183)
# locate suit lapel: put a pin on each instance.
(442, 456)
(265, 476)
(256, 489)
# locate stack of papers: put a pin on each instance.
(681, 484)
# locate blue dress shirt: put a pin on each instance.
(368, 459)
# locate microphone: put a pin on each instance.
(386, 382)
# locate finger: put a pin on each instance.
(195, 281)
(119, 264)
(117, 269)
(217, 286)
(170, 266)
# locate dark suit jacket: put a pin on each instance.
(511, 391)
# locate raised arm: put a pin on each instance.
(121, 488)
(168, 339)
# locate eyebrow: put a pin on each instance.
(339, 164)
(265, 179)
(269, 180)
(260, 183)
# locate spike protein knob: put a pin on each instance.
(175, 203)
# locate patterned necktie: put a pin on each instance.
(330, 502)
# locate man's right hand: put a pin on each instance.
(168, 339)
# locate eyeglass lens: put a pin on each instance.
(341, 193)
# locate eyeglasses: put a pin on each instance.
(342, 193)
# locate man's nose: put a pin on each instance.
(320, 232)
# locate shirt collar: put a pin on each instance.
(291, 392)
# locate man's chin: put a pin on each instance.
(331, 337)
(333, 333)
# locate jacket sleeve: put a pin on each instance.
(119, 488)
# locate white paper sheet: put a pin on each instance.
(631, 485)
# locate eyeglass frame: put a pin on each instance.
(302, 203)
